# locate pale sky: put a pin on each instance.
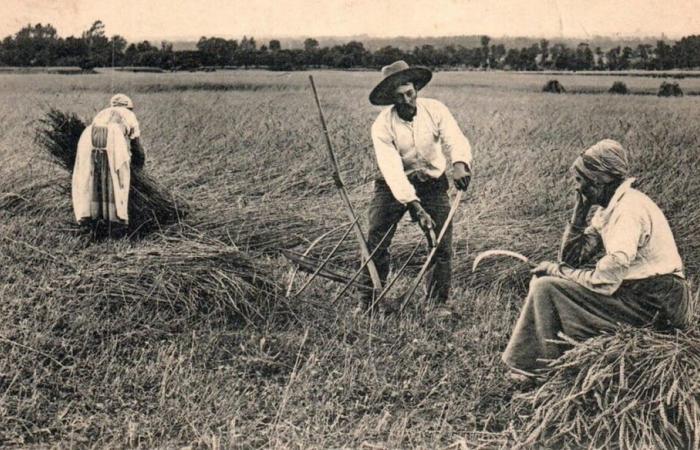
(144, 19)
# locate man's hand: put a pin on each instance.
(546, 268)
(425, 222)
(461, 175)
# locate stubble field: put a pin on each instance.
(171, 365)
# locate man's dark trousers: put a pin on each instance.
(385, 211)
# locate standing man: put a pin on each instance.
(409, 138)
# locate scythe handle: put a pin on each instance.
(374, 275)
(426, 264)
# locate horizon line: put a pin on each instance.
(443, 36)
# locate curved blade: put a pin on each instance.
(498, 252)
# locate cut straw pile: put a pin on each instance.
(150, 206)
(634, 389)
(184, 275)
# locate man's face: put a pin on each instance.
(405, 101)
(405, 95)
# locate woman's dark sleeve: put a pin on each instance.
(138, 155)
(579, 246)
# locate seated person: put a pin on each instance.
(639, 280)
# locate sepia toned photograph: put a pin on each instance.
(445, 224)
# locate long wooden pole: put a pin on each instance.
(374, 275)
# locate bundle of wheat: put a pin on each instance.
(150, 205)
(553, 86)
(670, 89)
(636, 388)
(619, 87)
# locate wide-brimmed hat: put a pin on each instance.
(121, 100)
(396, 74)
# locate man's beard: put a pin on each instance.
(406, 111)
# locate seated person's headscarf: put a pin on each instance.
(603, 163)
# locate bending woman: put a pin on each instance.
(102, 173)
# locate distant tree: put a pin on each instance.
(352, 54)
(167, 55)
(118, 45)
(583, 59)
(470, 57)
(563, 58)
(687, 52)
(512, 59)
(598, 58)
(387, 55)
(146, 54)
(274, 45)
(496, 55)
(626, 58)
(99, 48)
(187, 59)
(246, 52)
(217, 51)
(248, 44)
(485, 50)
(544, 52)
(528, 57)
(428, 55)
(286, 60)
(663, 54)
(310, 44)
(33, 46)
(643, 55)
(613, 58)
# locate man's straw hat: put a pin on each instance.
(395, 75)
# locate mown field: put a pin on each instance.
(139, 355)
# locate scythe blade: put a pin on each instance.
(498, 252)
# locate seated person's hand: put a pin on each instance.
(546, 268)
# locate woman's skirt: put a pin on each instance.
(102, 206)
(555, 305)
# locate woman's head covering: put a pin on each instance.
(121, 100)
(604, 162)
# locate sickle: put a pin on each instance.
(497, 252)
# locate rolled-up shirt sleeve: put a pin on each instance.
(621, 247)
(390, 164)
(452, 138)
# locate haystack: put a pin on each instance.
(637, 388)
(618, 87)
(553, 86)
(150, 205)
(670, 89)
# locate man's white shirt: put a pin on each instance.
(415, 148)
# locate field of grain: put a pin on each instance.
(168, 364)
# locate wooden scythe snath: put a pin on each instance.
(374, 275)
(426, 264)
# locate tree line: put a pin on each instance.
(40, 45)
